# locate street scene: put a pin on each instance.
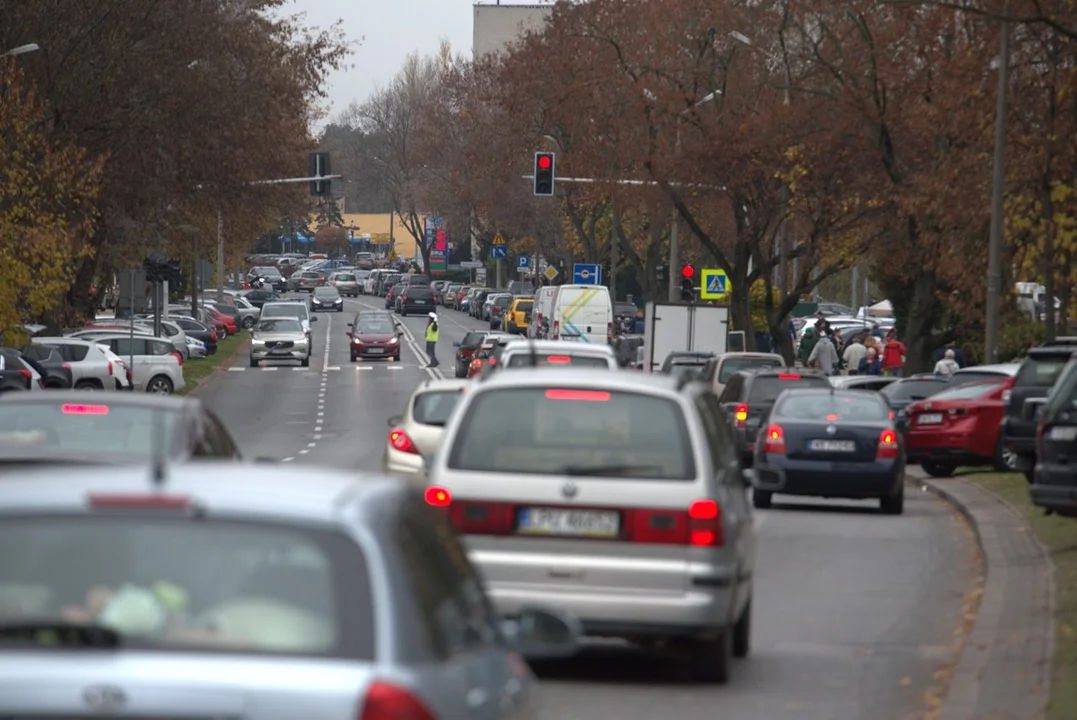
(514, 365)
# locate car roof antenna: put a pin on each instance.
(158, 452)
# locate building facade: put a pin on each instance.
(498, 26)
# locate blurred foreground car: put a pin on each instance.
(832, 444)
(615, 496)
(555, 353)
(418, 431)
(74, 427)
(228, 592)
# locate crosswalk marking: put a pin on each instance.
(332, 368)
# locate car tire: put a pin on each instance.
(403, 312)
(352, 356)
(305, 362)
(712, 660)
(248, 322)
(762, 499)
(742, 632)
(1005, 459)
(254, 363)
(160, 385)
(937, 469)
(893, 504)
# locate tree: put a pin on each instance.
(47, 195)
(332, 240)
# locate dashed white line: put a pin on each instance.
(287, 459)
(304, 451)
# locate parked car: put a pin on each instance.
(908, 390)
(92, 366)
(1054, 480)
(54, 370)
(158, 366)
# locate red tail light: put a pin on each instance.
(109, 367)
(179, 358)
(26, 374)
(403, 298)
(584, 395)
(609, 333)
(559, 359)
(77, 409)
(888, 446)
(556, 329)
(400, 441)
(741, 415)
(66, 366)
(774, 441)
(788, 376)
(213, 335)
(391, 702)
(466, 352)
(705, 524)
(437, 496)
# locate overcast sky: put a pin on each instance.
(387, 30)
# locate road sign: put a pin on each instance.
(586, 274)
(550, 273)
(498, 240)
(468, 264)
(392, 255)
(523, 262)
(499, 252)
(714, 284)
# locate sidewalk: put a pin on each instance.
(1005, 668)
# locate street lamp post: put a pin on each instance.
(994, 247)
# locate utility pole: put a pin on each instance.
(615, 239)
(220, 257)
(994, 247)
(856, 287)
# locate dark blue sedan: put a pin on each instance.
(833, 444)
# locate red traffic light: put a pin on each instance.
(687, 271)
(544, 162)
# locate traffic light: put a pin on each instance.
(545, 163)
(688, 285)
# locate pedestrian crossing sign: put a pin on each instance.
(714, 284)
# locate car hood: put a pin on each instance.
(279, 336)
(374, 337)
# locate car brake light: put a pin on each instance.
(888, 446)
(400, 441)
(160, 502)
(585, 395)
(741, 415)
(704, 523)
(774, 441)
(700, 525)
(66, 366)
(385, 701)
(26, 373)
(109, 367)
(437, 496)
(556, 329)
(179, 358)
(609, 333)
(559, 359)
(788, 376)
(80, 409)
(130, 375)
(832, 417)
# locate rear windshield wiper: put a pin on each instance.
(611, 470)
(58, 633)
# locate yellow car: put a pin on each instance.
(518, 315)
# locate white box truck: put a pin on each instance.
(674, 327)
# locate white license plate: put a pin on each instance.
(1064, 433)
(832, 445)
(375, 351)
(930, 419)
(572, 523)
(420, 302)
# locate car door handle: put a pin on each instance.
(477, 697)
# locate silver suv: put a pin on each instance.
(617, 497)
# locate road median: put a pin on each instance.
(197, 372)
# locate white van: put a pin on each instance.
(583, 313)
(542, 314)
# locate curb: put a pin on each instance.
(990, 662)
(208, 379)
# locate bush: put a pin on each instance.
(1016, 336)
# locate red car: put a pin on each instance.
(959, 426)
(228, 321)
(374, 337)
(483, 356)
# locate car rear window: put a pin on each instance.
(913, 389)
(562, 431)
(976, 376)
(205, 586)
(419, 291)
(522, 359)
(434, 407)
(767, 388)
(524, 305)
(689, 369)
(833, 407)
(345, 278)
(1041, 371)
(732, 365)
(38, 430)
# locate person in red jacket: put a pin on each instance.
(893, 355)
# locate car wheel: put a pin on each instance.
(248, 322)
(762, 499)
(159, 385)
(1005, 458)
(305, 362)
(254, 363)
(742, 632)
(352, 357)
(937, 469)
(403, 312)
(712, 660)
(893, 504)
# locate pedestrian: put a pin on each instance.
(893, 355)
(951, 347)
(854, 354)
(947, 366)
(968, 354)
(432, 339)
(871, 365)
(824, 356)
(807, 345)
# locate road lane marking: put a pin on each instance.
(287, 459)
(236, 369)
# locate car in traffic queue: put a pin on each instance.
(296, 309)
(306, 280)
(374, 335)
(258, 298)
(386, 283)
(906, 391)
(1054, 481)
(688, 364)
(417, 432)
(750, 394)
(642, 530)
(498, 305)
(721, 367)
(472, 295)
(873, 383)
(449, 294)
(270, 276)
(959, 426)
(346, 283)
(231, 591)
(458, 297)
(415, 298)
(488, 353)
(477, 305)
(516, 318)
(519, 353)
(279, 338)
(830, 443)
(72, 427)
(466, 349)
(326, 298)
(391, 295)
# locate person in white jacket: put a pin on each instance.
(947, 366)
(853, 355)
(824, 356)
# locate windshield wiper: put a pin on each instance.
(60, 633)
(611, 470)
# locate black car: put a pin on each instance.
(197, 330)
(830, 443)
(386, 283)
(258, 298)
(14, 374)
(416, 299)
(1054, 476)
(326, 297)
(391, 296)
(1034, 379)
(466, 349)
(862, 382)
(55, 372)
(270, 276)
(908, 390)
(750, 394)
(416, 279)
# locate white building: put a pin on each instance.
(497, 26)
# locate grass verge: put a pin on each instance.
(197, 370)
(1059, 536)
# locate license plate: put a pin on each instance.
(1063, 433)
(375, 351)
(931, 419)
(420, 302)
(832, 445)
(571, 523)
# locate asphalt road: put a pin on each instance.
(855, 611)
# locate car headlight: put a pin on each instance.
(338, 300)
(393, 341)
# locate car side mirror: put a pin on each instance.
(395, 420)
(351, 324)
(456, 344)
(543, 634)
(762, 477)
(314, 318)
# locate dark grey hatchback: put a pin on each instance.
(416, 299)
(1054, 479)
